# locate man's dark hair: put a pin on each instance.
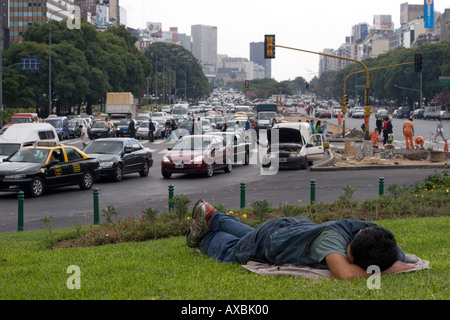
(374, 246)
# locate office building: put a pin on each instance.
(257, 56)
(204, 47)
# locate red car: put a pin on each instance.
(197, 154)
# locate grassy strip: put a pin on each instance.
(167, 269)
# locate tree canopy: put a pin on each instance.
(86, 64)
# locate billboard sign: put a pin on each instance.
(383, 22)
(155, 29)
(429, 14)
(102, 14)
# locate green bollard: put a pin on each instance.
(381, 186)
(20, 212)
(243, 195)
(170, 197)
(313, 191)
(96, 208)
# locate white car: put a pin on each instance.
(358, 112)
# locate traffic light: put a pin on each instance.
(366, 97)
(396, 85)
(345, 100)
(246, 84)
(307, 85)
(418, 62)
(367, 111)
(344, 109)
(269, 46)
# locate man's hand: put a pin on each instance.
(397, 267)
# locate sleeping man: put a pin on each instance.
(346, 247)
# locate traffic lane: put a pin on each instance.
(70, 205)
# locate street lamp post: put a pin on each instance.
(50, 62)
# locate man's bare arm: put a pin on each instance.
(341, 268)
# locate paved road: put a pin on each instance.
(130, 196)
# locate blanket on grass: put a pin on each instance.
(307, 272)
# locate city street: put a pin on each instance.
(70, 205)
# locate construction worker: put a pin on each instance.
(419, 142)
(408, 132)
(375, 138)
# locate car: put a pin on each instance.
(74, 127)
(238, 145)
(358, 112)
(445, 115)
(418, 114)
(197, 154)
(404, 112)
(96, 130)
(335, 112)
(142, 132)
(61, 126)
(122, 127)
(324, 114)
(36, 169)
(383, 113)
(120, 156)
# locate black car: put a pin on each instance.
(119, 156)
(34, 169)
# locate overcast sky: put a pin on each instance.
(309, 25)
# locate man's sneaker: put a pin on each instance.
(199, 229)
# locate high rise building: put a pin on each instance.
(204, 47)
(257, 56)
(24, 14)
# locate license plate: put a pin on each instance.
(180, 165)
(282, 160)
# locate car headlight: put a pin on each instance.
(166, 159)
(15, 176)
(106, 164)
(294, 154)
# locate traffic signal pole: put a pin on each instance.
(366, 116)
(270, 46)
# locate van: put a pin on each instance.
(433, 112)
(61, 125)
(293, 145)
(25, 134)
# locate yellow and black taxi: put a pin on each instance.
(35, 169)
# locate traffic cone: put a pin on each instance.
(446, 146)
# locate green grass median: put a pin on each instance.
(166, 269)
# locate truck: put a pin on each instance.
(433, 112)
(22, 118)
(264, 113)
(120, 105)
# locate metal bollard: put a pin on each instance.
(380, 186)
(20, 212)
(170, 197)
(96, 207)
(313, 191)
(243, 194)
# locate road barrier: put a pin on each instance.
(20, 213)
(313, 191)
(96, 207)
(243, 186)
(171, 188)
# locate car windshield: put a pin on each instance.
(104, 147)
(55, 123)
(124, 122)
(98, 124)
(192, 143)
(8, 148)
(144, 125)
(179, 111)
(29, 155)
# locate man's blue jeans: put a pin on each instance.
(220, 244)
